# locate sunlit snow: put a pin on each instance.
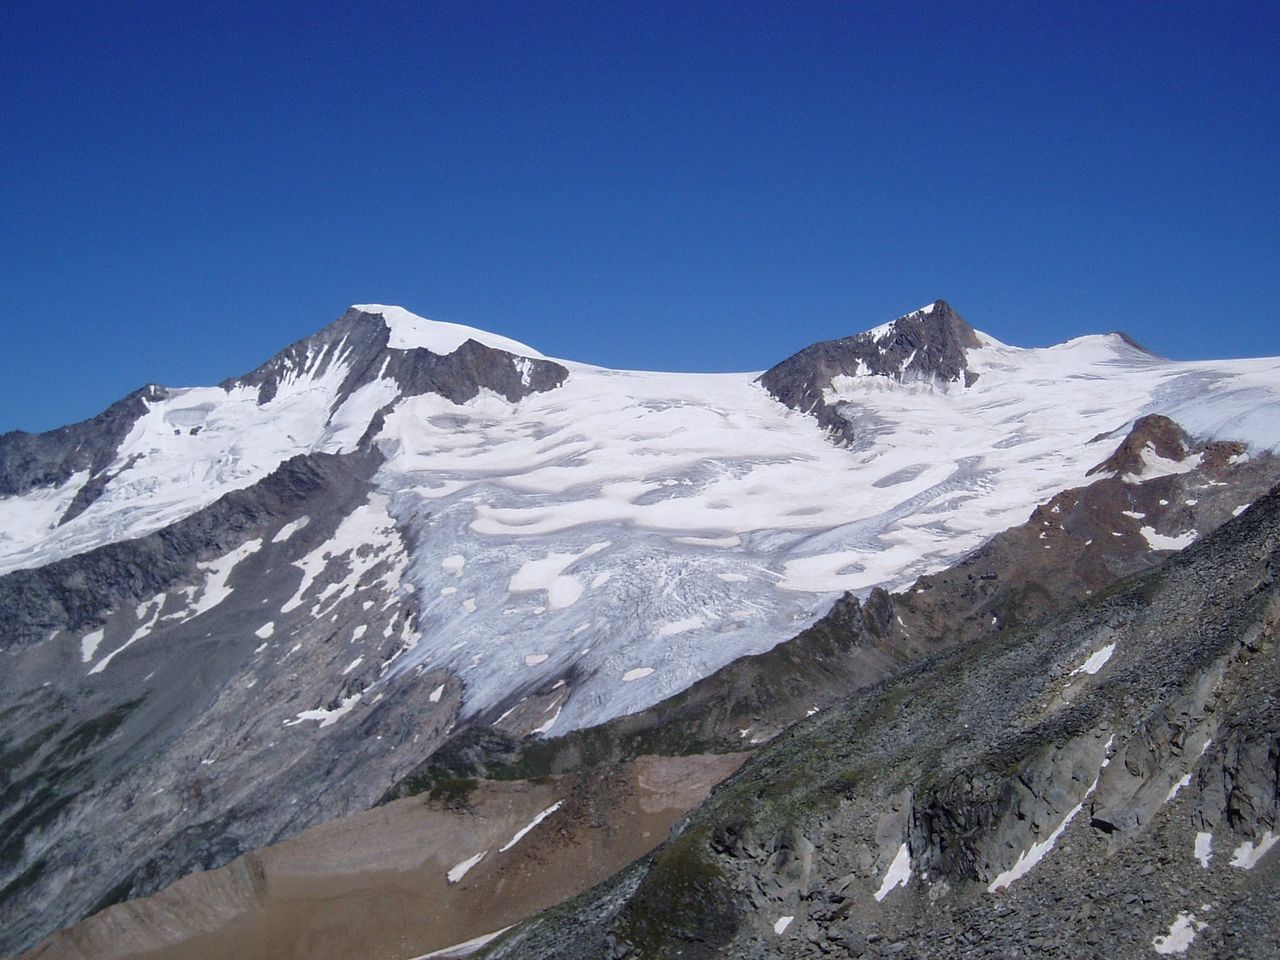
(409, 331)
(1160, 541)
(1181, 932)
(464, 949)
(289, 529)
(523, 831)
(1204, 848)
(713, 499)
(898, 874)
(1097, 660)
(185, 452)
(638, 502)
(89, 644)
(327, 717)
(1247, 855)
(460, 870)
(1173, 791)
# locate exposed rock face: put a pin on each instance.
(266, 615)
(76, 593)
(928, 345)
(458, 376)
(350, 366)
(1013, 580)
(1155, 434)
(1104, 781)
(30, 460)
(297, 645)
(194, 721)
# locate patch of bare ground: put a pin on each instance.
(378, 884)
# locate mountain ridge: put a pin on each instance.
(285, 595)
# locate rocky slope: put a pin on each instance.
(1011, 581)
(1104, 783)
(413, 876)
(233, 613)
(929, 346)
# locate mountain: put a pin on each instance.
(401, 548)
(1103, 785)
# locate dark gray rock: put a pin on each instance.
(929, 344)
(79, 591)
(360, 340)
(357, 339)
(31, 460)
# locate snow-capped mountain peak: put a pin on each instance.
(169, 452)
(394, 526)
(408, 331)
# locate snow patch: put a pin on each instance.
(780, 925)
(563, 592)
(1158, 541)
(1173, 791)
(1247, 855)
(1204, 848)
(1181, 932)
(89, 644)
(460, 870)
(289, 529)
(327, 718)
(365, 538)
(218, 572)
(1097, 660)
(638, 673)
(541, 574)
(523, 831)
(546, 727)
(1037, 851)
(675, 627)
(266, 630)
(144, 629)
(464, 949)
(898, 875)
(1154, 465)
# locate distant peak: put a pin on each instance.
(940, 305)
(940, 319)
(928, 345)
(408, 331)
(935, 335)
(1155, 444)
(1121, 335)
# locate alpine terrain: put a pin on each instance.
(415, 642)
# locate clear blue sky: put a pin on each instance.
(188, 187)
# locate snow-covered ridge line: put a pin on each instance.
(642, 529)
(410, 331)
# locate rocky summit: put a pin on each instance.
(916, 644)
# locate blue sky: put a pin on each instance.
(186, 188)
